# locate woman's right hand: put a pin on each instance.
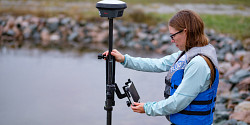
(118, 56)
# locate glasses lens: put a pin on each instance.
(172, 36)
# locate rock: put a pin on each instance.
(220, 116)
(236, 46)
(3, 23)
(11, 23)
(24, 23)
(105, 25)
(220, 107)
(244, 95)
(244, 85)
(242, 112)
(81, 33)
(53, 20)
(243, 106)
(141, 35)
(223, 87)
(162, 49)
(147, 45)
(223, 122)
(101, 37)
(35, 20)
(223, 68)
(19, 19)
(222, 99)
(241, 123)
(220, 56)
(234, 101)
(238, 76)
(10, 32)
(73, 36)
(129, 36)
(246, 44)
(246, 58)
(155, 42)
(45, 36)
(229, 57)
(134, 44)
(27, 33)
(224, 49)
(121, 43)
(165, 39)
(53, 26)
(241, 116)
(239, 55)
(231, 122)
(248, 98)
(27, 17)
(33, 28)
(122, 30)
(232, 70)
(163, 28)
(73, 22)
(65, 21)
(235, 90)
(64, 33)
(155, 30)
(115, 35)
(36, 36)
(55, 37)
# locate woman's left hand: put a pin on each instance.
(138, 107)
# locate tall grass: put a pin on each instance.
(235, 25)
(235, 2)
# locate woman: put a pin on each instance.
(190, 84)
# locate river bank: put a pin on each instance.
(64, 33)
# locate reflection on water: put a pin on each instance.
(54, 88)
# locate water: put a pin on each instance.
(54, 88)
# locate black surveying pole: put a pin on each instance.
(110, 76)
(110, 9)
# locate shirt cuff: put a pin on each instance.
(125, 60)
(147, 107)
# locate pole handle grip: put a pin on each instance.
(100, 56)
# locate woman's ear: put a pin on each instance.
(185, 31)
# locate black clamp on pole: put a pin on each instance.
(110, 9)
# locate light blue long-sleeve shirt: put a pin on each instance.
(196, 80)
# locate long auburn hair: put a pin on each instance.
(192, 22)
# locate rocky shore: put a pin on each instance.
(64, 33)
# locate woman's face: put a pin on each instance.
(178, 37)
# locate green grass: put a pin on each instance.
(235, 2)
(233, 25)
(237, 26)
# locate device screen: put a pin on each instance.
(133, 92)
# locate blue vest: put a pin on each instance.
(200, 110)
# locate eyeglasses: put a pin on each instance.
(172, 36)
